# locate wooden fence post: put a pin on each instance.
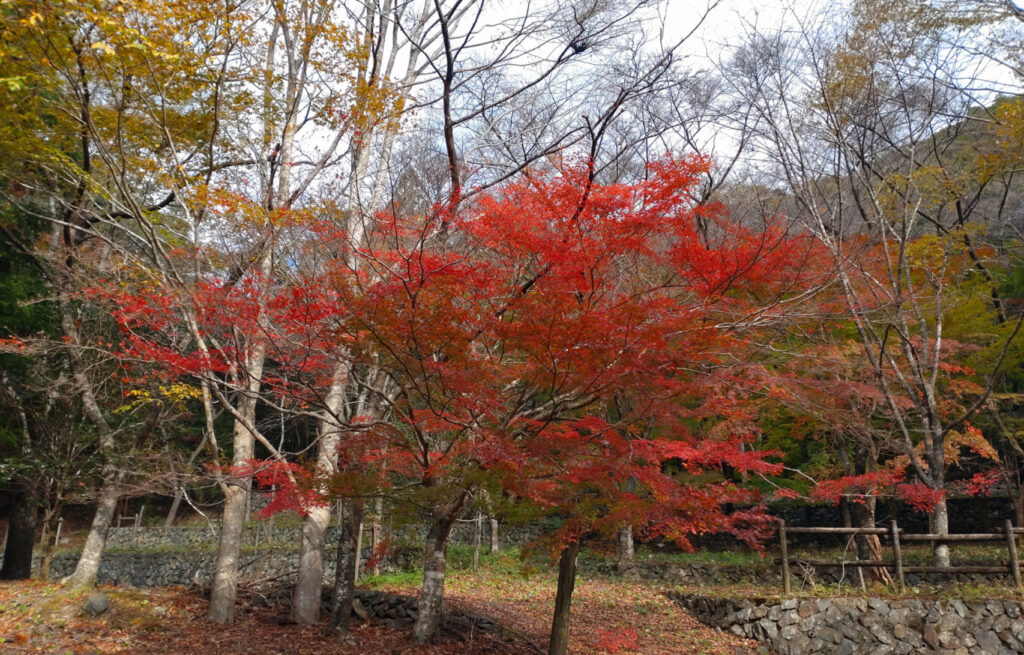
(897, 556)
(785, 557)
(1011, 545)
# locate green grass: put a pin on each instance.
(396, 579)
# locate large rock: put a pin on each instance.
(95, 604)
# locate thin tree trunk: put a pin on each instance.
(434, 565)
(844, 512)
(478, 528)
(559, 643)
(1018, 507)
(624, 547)
(179, 491)
(375, 531)
(940, 520)
(358, 559)
(172, 514)
(92, 553)
(88, 565)
(350, 516)
(494, 535)
(20, 539)
(48, 541)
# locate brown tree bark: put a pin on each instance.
(434, 565)
(869, 546)
(624, 547)
(559, 643)
(349, 518)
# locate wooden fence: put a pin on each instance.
(896, 564)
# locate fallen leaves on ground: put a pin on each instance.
(609, 616)
(43, 618)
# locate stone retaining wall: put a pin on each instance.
(199, 535)
(196, 567)
(851, 626)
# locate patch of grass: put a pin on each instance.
(390, 580)
(507, 562)
(726, 557)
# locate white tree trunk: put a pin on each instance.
(236, 502)
(309, 585)
(88, 565)
(225, 579)
(940, 520)
(434, 565)
(310, 581)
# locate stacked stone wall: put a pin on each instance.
(851, 626)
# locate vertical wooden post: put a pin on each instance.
(1011, 545)
(897, 555)
(785, 557)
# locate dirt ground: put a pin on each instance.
(608, 617)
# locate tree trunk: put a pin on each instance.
(494, 536)
(624, 547)
(478, 529)
(940, 525)
(350, 515)
(434, 565)
(1018, 507)
(88, 565)
(92, 553)
(869, 546)
(225, 579)
(563, 599)
(358, 559)
(20, 539)
(310, 582)
(236, 492)
(48, 541)
(844, 513)
(179, 490)
(375, 531)
(172, 514)
(236, 504)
